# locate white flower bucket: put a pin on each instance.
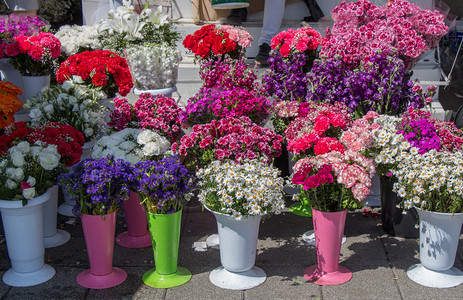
(23, 227)
(238, 247)
(439, 237)
(34, 84)
(53, 237)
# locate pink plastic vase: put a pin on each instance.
(328, 227)
(137, 234)
(99, 234)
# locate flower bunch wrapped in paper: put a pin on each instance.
(9, 103)
(100, 68)
(213, 42)
(362, 28)
(241, 189)
(228, 138)
(334, 174)
(158, 113)
(69, 104)
(291, 58)
(132, 145)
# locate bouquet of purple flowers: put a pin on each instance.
(98, 186)
(163, 186)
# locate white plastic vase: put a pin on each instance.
(23, 227)
(238, 247)
(33, 85)
(9, 73)
(53, 237)
(167, 92)
(439, 237)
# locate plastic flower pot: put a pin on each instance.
(53, 237)
(238, 248)
(137, 234)
(23, 227)
(329, 227)
(439, 237)
(165, 237)
(99, 234)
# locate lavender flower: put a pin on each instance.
(163, 186)
(98, 186)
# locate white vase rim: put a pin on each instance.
(437, 213)
(230, 216)
(168, 90)
(31, 202)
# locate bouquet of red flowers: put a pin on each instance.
(100, 68)
(160, 114)
(68, 140)
(214, 41)
(13, 133)
(228, 138)
(9, 103)
(34, 55)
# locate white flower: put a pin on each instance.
(48, 109)
(29, 193)
(88, 132)
(18, 174)
(35, 114)
(24, 147)
(31, 181)
(10, 184)
(48, 161)
(17, 158)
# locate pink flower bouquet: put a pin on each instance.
(362, 28)
(34, 55)
(337, 175)
(228, 138)
(158, 113)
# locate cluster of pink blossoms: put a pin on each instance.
(362, 28)
(238, 35)
(39, 46)
(296, 40)
(229, 138)
(158, 113)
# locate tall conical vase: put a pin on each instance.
(238, 248)
(329, 228)
(99, 234)
(23, 228)
(137, 234)
(439, 237)
(34, 84)
(165, 237)
(53, 237)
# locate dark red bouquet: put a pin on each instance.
(213, 41)
(68, 140)
(100, 68)
(13, 132)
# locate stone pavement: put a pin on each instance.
(378, 263)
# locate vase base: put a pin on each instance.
(88, 280)
(237, 281)
(61, 237)
(126, 240)
(309, 238)
(299, 210)
(313, 274)
(65, 210)
(436, 279)
(151, 278)
(13, 278)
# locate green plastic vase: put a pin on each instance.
(165, 236)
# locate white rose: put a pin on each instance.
(29, 193)
(35, 113)
(77, 79)
(72, 100)
(18, 174)
(48, 161)
(35, 150)
(52, 149)
(88, 132)
(24, 147)
(31, 180)
(2, 163)
(10, 184)
(16, 157)
(67, 85)
(9, 172)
